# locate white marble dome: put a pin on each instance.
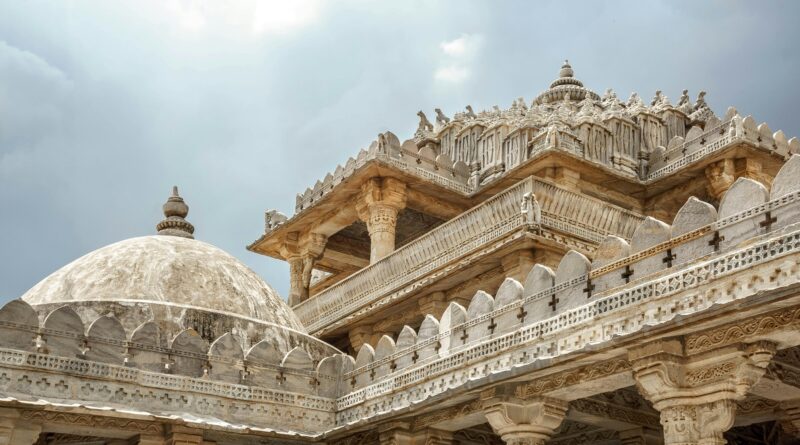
(169, 270)
(170, 278)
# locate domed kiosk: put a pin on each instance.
(175, 281)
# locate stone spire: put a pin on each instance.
(566, 86)
(175, 210)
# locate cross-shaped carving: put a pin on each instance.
(353, 381)
(372, 374)
(521, 315)
(716, 240)
(553, 301)
(414, 357)
(280, 378)
(589, 288)
(769, 220)
(464, 336)
(669, 258)
(628, 273)
(492, 326)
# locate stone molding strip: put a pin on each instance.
(668, 285)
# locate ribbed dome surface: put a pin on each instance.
(167, 270)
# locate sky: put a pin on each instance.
(104, 105)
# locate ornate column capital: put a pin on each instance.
(378, 205)
(697, 395)
(525, 422)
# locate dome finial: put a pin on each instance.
(174, 224)
(566, 70)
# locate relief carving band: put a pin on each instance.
(570, 269)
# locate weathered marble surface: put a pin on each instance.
(166, 269)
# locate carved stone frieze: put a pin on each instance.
(88, 420)
(741, 330)
(573, 377)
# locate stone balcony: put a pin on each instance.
(532, 206)
(730, 276)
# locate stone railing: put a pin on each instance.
(562, 210)
(104, 345)
(549, 314)
(716, 137)
(407, 157)
(490, 220)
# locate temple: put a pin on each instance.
(577, 269)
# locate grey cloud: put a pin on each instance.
(106, 104)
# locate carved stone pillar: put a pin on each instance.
(697, 395)
(720, 176)
(14, 431)
(301, 253)
(525, 422)
(380, 201)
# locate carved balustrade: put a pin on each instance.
(561, 210)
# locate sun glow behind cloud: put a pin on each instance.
(281, 16)
(458, 55)
(254, 17)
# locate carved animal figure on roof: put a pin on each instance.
(441, 119)
(424, 123)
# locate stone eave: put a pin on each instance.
(82, 408)
(554, 157)
(269, 244)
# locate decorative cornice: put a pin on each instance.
(572, 377)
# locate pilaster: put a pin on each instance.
(378, 205)
(525, 422)
(517, 265)
(396, 433)
(696, 395)
(13, 431)
(181, 435)
(149, 440)
(360, 335)
(720, 176)
(434, 304)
